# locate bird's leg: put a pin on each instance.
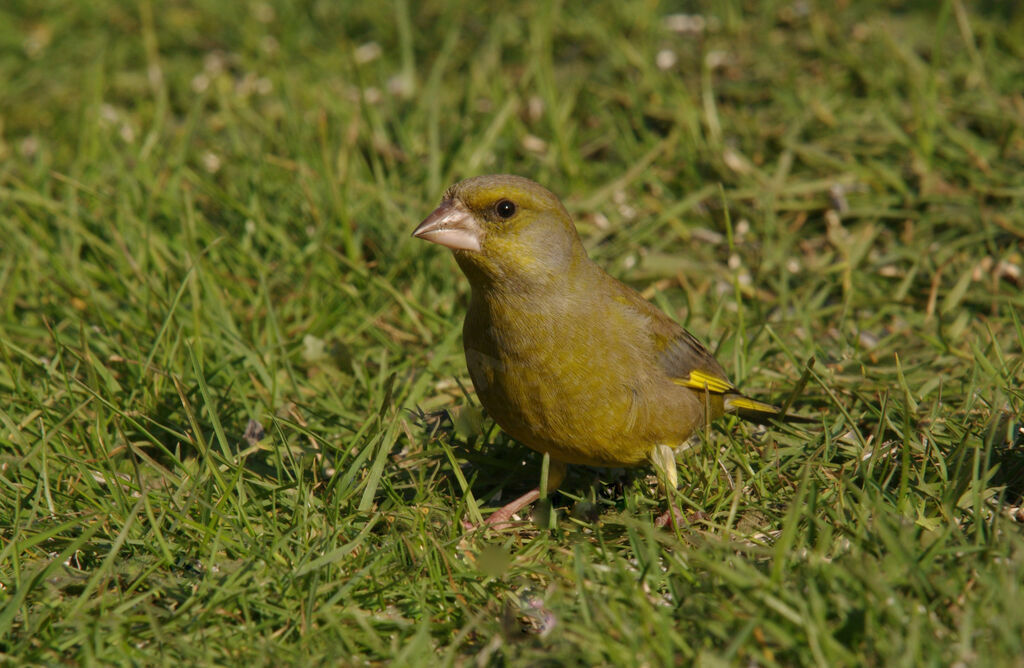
(663, 457)
(500, 518)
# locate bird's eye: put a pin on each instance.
(505, 208)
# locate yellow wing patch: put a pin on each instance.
(699, 380)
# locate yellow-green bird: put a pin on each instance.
(566, 359)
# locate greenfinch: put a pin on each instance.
(567, 360)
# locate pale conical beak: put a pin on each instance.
(451, 225)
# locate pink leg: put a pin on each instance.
(500, 519)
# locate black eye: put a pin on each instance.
(505, 208)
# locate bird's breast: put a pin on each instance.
(573, 391)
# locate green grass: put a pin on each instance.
(205, 211)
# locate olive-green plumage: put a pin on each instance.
(568, 360)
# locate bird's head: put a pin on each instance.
(504, 229)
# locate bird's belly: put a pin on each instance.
(573, 414)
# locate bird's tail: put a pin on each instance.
(760, 412)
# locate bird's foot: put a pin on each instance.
(674, 518)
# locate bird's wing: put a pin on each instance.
(689, 364)
(681, 356)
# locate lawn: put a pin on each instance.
(236, 424)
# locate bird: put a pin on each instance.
(566, 359)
